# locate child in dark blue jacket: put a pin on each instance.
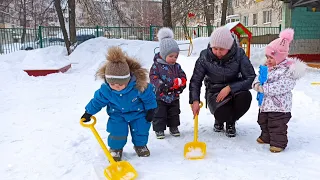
(170, 80)
(130, 102)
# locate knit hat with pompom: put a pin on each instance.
(117, 70)
(167, 44)
(279, 48)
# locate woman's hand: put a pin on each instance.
(223, 93)
(195, 106)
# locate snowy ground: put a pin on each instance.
(41, 137)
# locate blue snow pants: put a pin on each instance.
(118, 128)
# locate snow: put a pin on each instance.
(52, 57)
(232, 24)
(128, 176)
(194, 153)
(41, 137)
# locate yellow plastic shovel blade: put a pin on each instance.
(120, 171)
(195, 150)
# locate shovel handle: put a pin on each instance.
(201, 104)
(97, 136)
(90, 123)
(196, 125)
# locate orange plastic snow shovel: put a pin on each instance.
(121, 170)
(195, 150)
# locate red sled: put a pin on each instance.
(44, 72)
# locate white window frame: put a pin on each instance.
(236, 3)
(255, 20)
(267, 17)
(245, 20)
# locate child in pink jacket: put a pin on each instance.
(275, 110)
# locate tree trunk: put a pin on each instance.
(72, 21)
(57, 4)
(166, 13)
(224, 12)
(208, 16)
(23, 36)
(185, 28)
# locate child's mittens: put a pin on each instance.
(149, 115)
(179, 85)
(86, 116)
(164, 89)
(257, 87)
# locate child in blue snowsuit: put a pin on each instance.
(130, 102)
(170, 80)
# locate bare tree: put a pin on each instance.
(180, 10)
(43, 14)
(166, 13)
(57, 4)
(224, 12)
(121, 15)
(120, 12)
(5, 4)
(72, 21)
(24, 17)
(145, 13)
(209, 13)
(95, 12)
(201, 8)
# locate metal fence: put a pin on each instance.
(13, 39)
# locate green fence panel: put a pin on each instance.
(14, 39)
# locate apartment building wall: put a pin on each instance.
(258, 13)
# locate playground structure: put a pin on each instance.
(243, 35)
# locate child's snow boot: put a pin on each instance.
(160, 134)
(174, 131)
(260, 141)
(275, 149)
(116, 154)
(142, 151)
(217, 127)
(230, 130)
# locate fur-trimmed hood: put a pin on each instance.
(134, 66)
(296, 67)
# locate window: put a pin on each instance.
(245, 20)
(1, 18)
(255, 19)
(267, 16)
(7, 18)
(236, 3)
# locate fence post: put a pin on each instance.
(279, 28)
(40, 37)
(198, 33)
(151, 32)
(97, 31)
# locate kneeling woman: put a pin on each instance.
(228, 75)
